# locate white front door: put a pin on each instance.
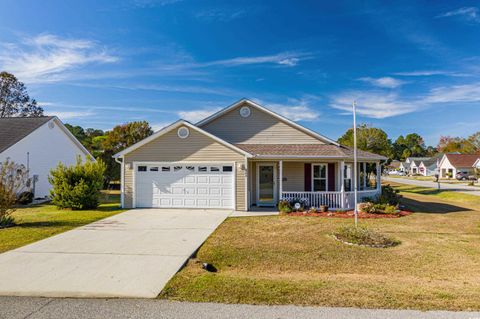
(180, 185)
(266, 184)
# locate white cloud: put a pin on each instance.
(221, 14)
(159, 125)
(197, 115)
(295, 110)
(67, 115)
(428, 73)
(283, 58)
(374, 104)
(383, 82)
(48, 58)
(468, 13)
(466, 93)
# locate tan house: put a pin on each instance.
(242, 157)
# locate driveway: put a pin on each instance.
(472, 190)
(132, 254)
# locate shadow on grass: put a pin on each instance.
(431, 207)
(48, 224)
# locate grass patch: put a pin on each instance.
(364, 236)
(289, 260)
(41, 221)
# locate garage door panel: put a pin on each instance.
(192, 186)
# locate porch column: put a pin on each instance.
(280, 179)
(379, 175)
(342, 183)
(364, 175)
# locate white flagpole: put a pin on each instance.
(355, 178)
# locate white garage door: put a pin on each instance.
(188, 185)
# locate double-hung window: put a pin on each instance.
(319, 178)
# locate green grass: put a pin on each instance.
(41, 221)
(295, 260)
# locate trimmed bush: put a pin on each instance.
(389, 196)
(78, 186)
(364, 237)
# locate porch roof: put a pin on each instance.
(306, 151)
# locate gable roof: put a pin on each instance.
(477, 163)
(305, 151)
(13, 129)
(172, 127)
(462, 160)
(264, 109)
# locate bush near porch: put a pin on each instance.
(282, 260)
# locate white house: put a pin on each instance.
(451, 164)
(39, 143)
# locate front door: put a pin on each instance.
(266, 190)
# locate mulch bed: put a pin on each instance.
(350, 214)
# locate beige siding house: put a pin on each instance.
(242, 157)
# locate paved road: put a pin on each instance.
(43, 308)
(472, 190)
(132, 254)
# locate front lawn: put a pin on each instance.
(295, 260)
(41, 221)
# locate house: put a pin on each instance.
(404, 167)
(429, 167)
(39, 143)
(414, 165)
(451, 164)
(243, 156)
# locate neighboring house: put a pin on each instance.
(429, 167)
(39, 143)
(404, 167)
(241, 157)
(413, 164)
(394, 165)
(451, 164)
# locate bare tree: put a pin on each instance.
(13, 180)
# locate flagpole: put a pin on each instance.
(355, 178)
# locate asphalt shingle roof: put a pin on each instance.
(13, 129)
(462, 160)
(305, 150)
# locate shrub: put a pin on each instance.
(77, 186)
(365, 237)
(389, 196)
(390, 209)
(312, 210)
(25, 198)
(284, 206)
(13, 180)
(367, 207)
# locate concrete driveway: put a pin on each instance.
(132, 254)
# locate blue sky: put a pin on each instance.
(411, 66)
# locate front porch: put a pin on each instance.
(314, 182)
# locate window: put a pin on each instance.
(227, 168)
(153, 169)
(165, 168)
(347, 177)
(202, 168)
(177, 168)
(142, 168)
(319, 178)
(190, 168)
(214, 169)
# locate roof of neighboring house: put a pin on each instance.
(13, 129)
(418, 159)
(462, 160)
(305, 150)
(406, 165)
(395, 164)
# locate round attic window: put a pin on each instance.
(183, 132)
(51, 125)
(245, 111)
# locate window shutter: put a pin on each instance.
(331, 177)
(308, 177)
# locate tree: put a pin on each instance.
(369, 139)
(410, 145)
(119, 138)
(449, 144)
(475, 140)
(14, 99)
